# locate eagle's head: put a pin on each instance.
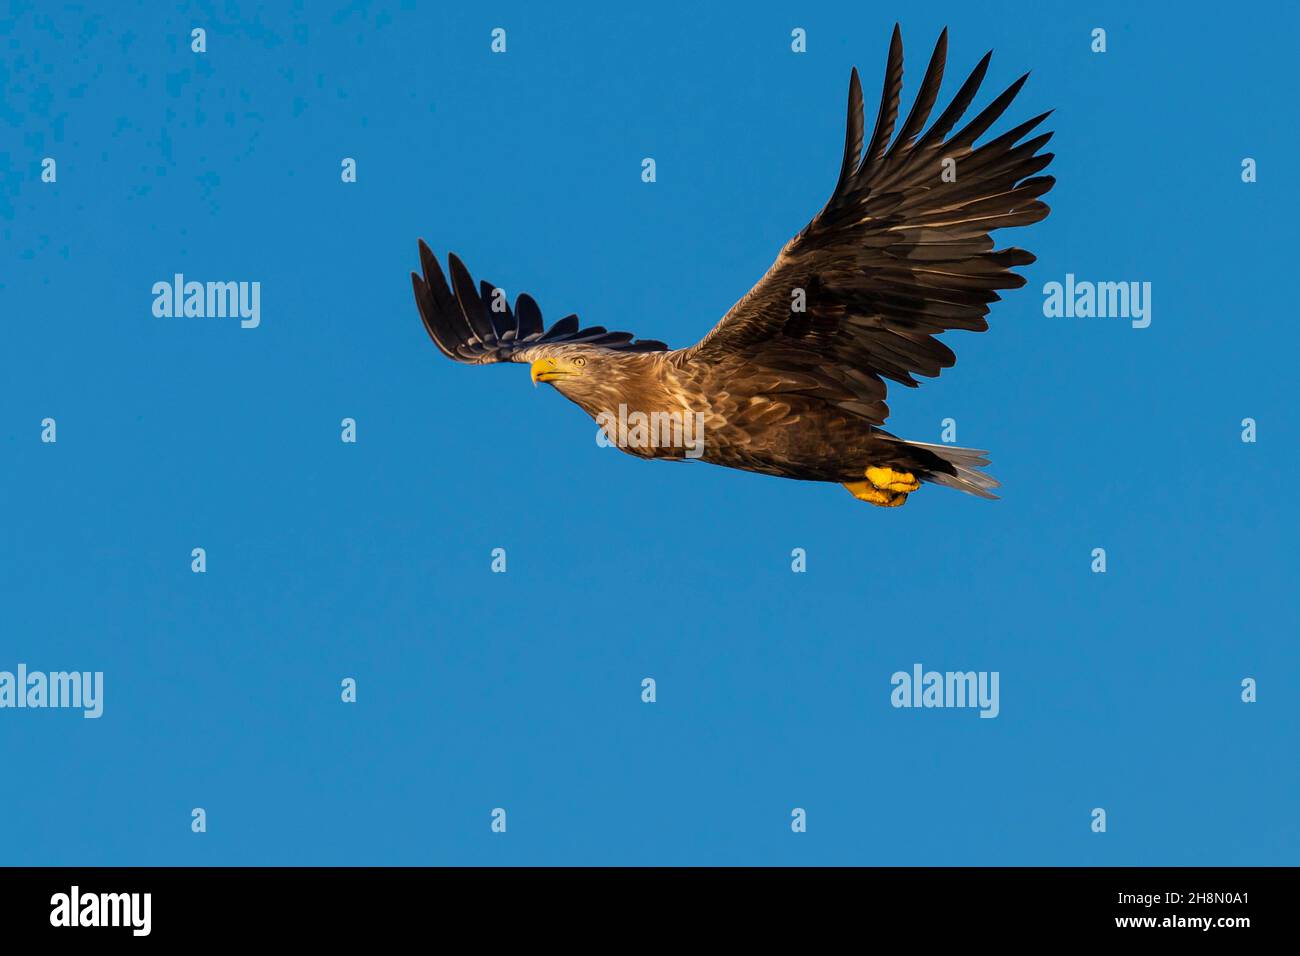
(566, 367)
(591, 376)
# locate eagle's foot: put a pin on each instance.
(887, 479)
(866, 491)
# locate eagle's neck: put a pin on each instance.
(643, 406)
(636, 382)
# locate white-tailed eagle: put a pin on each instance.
(791, 381)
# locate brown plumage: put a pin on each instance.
(791, 381)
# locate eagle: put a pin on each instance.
(792, 381)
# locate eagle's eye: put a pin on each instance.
(580, 361)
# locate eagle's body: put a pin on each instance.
(745, 428)
(791, 382)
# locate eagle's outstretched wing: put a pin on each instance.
(464, 324)
(900, 253)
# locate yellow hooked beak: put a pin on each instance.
(546, 370)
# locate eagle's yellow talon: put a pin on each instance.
(866, 491)
(887, 479)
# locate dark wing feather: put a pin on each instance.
(897, 255)
(462, 323)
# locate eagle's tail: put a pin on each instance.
(966, 463)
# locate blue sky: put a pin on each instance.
(522, 690)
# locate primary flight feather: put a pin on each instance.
(791, 381)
